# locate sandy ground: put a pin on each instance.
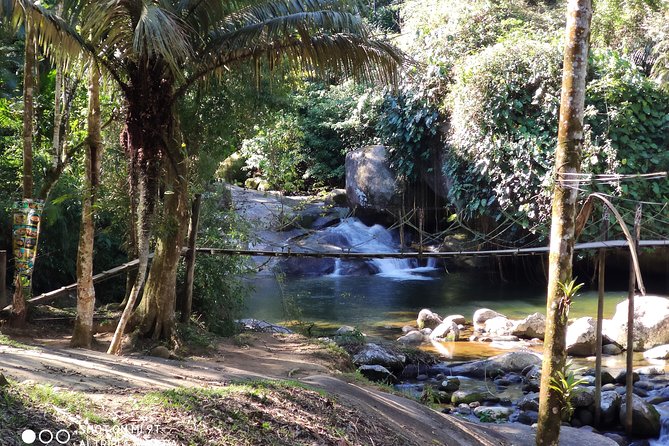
(106, 378)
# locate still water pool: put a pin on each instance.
(380, 305)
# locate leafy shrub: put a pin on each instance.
(219, 289)
(504, 119)
(274, 153)
(335, 119)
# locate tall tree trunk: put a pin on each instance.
(144, 138)
(567, 163)
(143, 240)
(21, 282)
(156, 312)
(83, 325)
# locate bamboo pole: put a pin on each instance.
(629, 384)
(601, 269)
(187, 302)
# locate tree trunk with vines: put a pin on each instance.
(567, 164)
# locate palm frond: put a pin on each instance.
(322, 55)
(160, 34)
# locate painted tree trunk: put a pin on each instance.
(83, 325)
(567, 163)
(21, 291)
(155, 315)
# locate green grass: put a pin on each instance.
(73, 402)
(6, 340)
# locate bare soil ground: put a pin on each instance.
(236, 394)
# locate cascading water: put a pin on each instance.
(663, 440)
(351, 235)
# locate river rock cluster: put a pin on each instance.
(506, 387)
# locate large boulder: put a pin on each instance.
(377, 373)
(493, 413)
(370, 183)
(659, 352)
(446, 331)
(645, 418)
(533, 326)
(651, 323)
(582, 337)
(413, 337)
(483, 314)
(427, 319)
(498, 326)
(497, 365)
(374, 354)
(610, 406)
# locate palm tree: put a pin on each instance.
(156, 52)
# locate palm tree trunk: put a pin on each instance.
(567, 163)
(22, 279)
(83, 325)
(155, 315)
(143, 240)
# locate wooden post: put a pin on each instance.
(187, 302)
(3, 277)
(601, 268)
(629, 392)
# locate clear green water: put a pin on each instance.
(381, 305)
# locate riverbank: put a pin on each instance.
(281, 390)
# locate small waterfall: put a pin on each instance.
(663, 440)
(337, 268)
(351, 235)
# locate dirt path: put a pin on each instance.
(266, 356)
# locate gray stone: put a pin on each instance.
(426, 331)
(457, 318)
(345, 330)
(583, 397)
(370, 182)
(3, 381)
(262, 326)
(581, 337)
(610, 406)
(645, 418)
(621, 377)
(650, 370)
(651, 323)
(497, 365)
(467, 396)
(447, 330)
(493, 413)
(584, 416)
(619, 439)
(528, 417)
(529, 402)
(413, 337)
(533, 326)
(509, 338)
(659, 352)
(374, 354)
(611, 350)
(450, 384)
(407, 328)
(498, 326)
(377, 373)
(464, 409)
(427, 319)
(483, 314)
